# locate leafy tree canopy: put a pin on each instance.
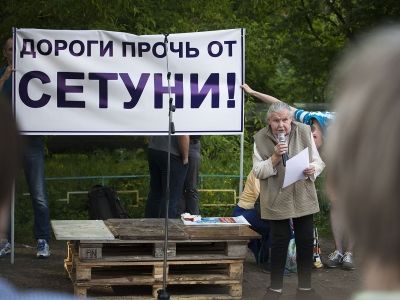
(291, 45)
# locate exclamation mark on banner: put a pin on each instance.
(231, 80)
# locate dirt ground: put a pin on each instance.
(30, 273)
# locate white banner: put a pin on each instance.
(92, 82)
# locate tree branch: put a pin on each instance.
(346, 28)
(309, 23)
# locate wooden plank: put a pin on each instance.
(241, 232)
(102, 263)
(235, 290)
(149, 258)
(236, 249)
(236, 271)
(148, 280)
(144, 229)
(80, 291)
(158, 250)
(81, 230)
(83, 273)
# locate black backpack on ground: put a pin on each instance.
(104, 204)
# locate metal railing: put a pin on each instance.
(212, 188)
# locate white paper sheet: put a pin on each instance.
(295, 167)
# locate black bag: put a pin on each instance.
(104, 204)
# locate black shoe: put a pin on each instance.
(307, 295)
(272, 295)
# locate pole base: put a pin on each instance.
(162, 295)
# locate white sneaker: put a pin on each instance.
(347, 261)
(43, 249)
(5, 249)
(334, 259)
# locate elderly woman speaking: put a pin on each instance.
(280, 139)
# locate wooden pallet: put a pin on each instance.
(224, 273)
(154, 250)
(199, 259)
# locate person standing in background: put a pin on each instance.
(34, 168)
(158, 168)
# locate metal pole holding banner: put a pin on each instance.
(12, 208)
(12, 223)
(242, 135)
(241, 163)
(163, 294)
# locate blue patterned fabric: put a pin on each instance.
(306, 117)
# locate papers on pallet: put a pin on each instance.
(189, 219)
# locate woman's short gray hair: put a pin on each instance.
(277, 106)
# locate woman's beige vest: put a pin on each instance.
(296, 200)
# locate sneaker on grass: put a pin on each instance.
(43, 249)
(334, 259)
(5, 248)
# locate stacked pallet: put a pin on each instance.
(203, 262)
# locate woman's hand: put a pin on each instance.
(279, 150)
(309, 171)
(247, 89)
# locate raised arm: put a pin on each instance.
(263, 97)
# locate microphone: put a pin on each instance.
(282, 139)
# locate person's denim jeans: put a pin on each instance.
(33, 162)
(158, 168)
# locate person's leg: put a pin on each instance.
(191, 193)
(5, 247)
(347, 259)
(177, 178)
(156, 160)
(192, 179)
(337, 228)
(303, 231)
(264, 245)
(280, 235)
(335, 258)
(34, 173)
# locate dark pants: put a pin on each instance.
(190, 199)
(158, 168)
(280, 235)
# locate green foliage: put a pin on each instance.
(291, 46)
